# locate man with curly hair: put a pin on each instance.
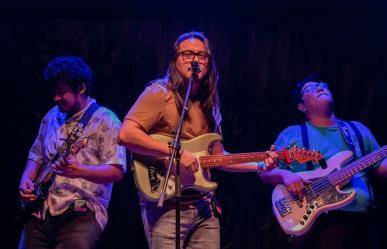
(348, 227)
(74, 212)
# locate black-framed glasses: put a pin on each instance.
(189, 55)
(313, 87)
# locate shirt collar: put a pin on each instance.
(77, 116)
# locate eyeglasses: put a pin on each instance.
(189, 55)
(313, 87)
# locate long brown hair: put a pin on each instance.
(208, 94)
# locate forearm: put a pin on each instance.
(31, 170)
(102, 174)
(136, 140)
(274, 176)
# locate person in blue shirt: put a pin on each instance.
(348, 226)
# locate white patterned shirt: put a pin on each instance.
(102, 148)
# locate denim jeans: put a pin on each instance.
(66, 231)
(199, 228)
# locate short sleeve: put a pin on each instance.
(36, 151)
(109, 150)
(149, 107)
(370, 143)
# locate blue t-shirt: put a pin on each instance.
(329, 141)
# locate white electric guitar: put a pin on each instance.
(323, 193)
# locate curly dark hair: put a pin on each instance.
(71, 69)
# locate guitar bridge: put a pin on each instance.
(283, 207)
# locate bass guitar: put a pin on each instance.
(323, 192)
(149, 172)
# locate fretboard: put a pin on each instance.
(350, 170)
(223, 160)
(42, 176)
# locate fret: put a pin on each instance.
(213, 160)
(353, 168)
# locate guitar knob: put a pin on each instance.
(305, 217)
(308, 211)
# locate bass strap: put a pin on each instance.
(343, 125)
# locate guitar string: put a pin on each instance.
(39, 180)
(213, 160)
(317, 186)
(240, 157)
(372, 158)
(249, 155)
(323, 182)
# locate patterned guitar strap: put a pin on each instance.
(75, 134)
(358, 148)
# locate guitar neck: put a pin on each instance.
(224, 160)
(340, 176)
(43, 175)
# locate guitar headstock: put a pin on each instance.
(78, 145)
(301, 155)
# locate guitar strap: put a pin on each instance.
(343, 126)
(358, 136)
(344, 129)
(75, 134)
(358, 150)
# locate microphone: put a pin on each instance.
(195, 67)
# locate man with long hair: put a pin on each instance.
(157, 111)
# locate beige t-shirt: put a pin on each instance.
(155, 110)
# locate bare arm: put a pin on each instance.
(293, 182)
(101, 174)
(274, 177)
(26, 183)
(135, 139)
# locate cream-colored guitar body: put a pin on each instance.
(149, 172)
(296, 217)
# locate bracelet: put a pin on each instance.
(260, 166)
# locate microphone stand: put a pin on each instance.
(175, 147)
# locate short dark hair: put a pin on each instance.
(71, 69)
(297, 91)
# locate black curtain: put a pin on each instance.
(259, 54)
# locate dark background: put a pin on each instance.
(261, 49)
